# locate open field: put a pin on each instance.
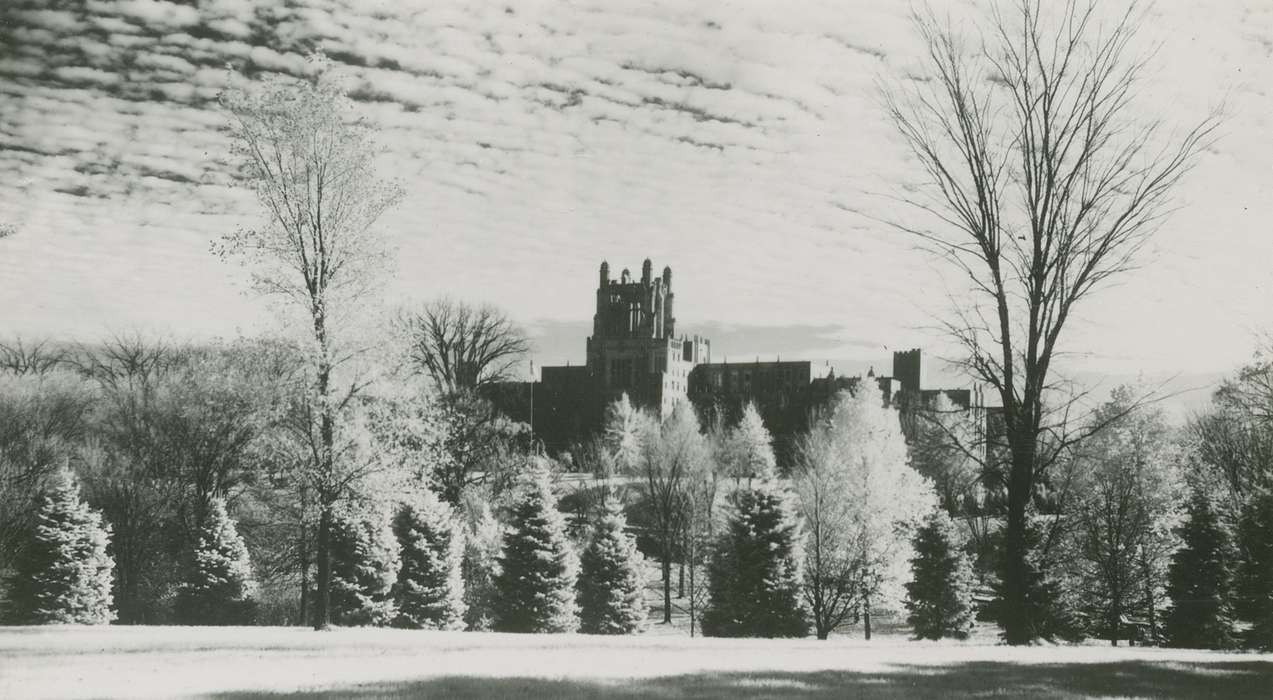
(82, 662)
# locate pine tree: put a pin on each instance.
(430, 589)
(218, 589)
(63, 573)
(754, 575)
(535, 588)
(365, 561)
(939, 596)
(1255, 571)
(1199, 581)
(611, 583)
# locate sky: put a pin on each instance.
(741, 143)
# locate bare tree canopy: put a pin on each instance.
(463, 347)
(1040, 186)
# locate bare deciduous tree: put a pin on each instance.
(1042, 186)
(312, 166)
(463, 347)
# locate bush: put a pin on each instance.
(612, 581)
(218, 589)
(754, 575)
(364, 555)
(63, 573)
(939, 596)
(430, 590)
(535, 588)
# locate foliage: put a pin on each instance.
(365, 562)
(219, 589)
(1123, 514)
(44, 418)
(63, 573)
(1254, 576)
(483, 538)
(1199, 581)
(535, 587)
(673, 455)
(612, 579)
(939, 595)
(755, 571)
(861, 502)
(312, 168)
(748, 448)
(430, 589)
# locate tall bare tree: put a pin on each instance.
(1041, 185)
(311, 163)
(463, 347)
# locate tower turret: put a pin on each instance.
(646, 267)
(625, 277)
(667, 277)
(605, 273)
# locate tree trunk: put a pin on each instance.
(680, 580)
(303, 551)
(866, 616)
(322, 606)
(667, 581)
(1018, 627)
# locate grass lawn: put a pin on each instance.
(81, 662)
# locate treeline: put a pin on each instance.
(148, 483)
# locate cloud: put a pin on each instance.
(741, 144)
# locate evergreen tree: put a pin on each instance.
(482, 541)
(365, 561)
(611, 584)
(754, 575)
(1255, 571)
(218, 589)
(1199, 581)
(63, 573)
(748, 449)
(939, 596)
(535, 588)
(430, 589)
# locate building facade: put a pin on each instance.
(634, 349)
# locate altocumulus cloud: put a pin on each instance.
(733, 141)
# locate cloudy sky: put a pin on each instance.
(734, 141)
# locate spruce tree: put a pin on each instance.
(535, 588)
(1255, 571)
(63, 573)
(939, 595)
(365, 562)
(611, 583)
(1199, 581)
(218, 589)
(754, 575)
(430, 589)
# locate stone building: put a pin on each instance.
(634, 349)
